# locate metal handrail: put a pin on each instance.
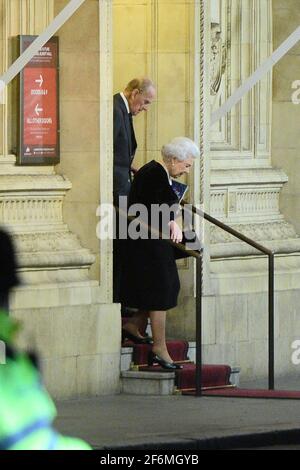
(161, 236)
(199, 275)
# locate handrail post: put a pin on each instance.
(271, 321)
(270, 255)
(199, 285)
(199, 271)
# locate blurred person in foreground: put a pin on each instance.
(26, 409)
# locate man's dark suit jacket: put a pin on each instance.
(124, 147)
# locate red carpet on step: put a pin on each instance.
(177, 350)
(248, 393)
(253, 393)
(213, 375)
(185, 380)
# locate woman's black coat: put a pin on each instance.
(150, 278)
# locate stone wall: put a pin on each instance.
(155, 38)
(78, 334)
(67, 317)
(286, 115)
(246, 192)
(78, 341)
(236, 318)
(79, 119)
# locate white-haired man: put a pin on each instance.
(137, 97)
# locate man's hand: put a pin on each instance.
(175, 232)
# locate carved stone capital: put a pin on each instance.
(279, 236)
(51, 250)
(31, 207)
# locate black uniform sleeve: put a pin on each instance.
(8, 265)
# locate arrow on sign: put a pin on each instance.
(38, 110)
(40, 81)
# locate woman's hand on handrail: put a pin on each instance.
(175, 232)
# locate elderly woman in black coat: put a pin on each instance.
(150, 281)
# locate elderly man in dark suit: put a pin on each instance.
(137, 97)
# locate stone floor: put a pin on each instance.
(181, 422)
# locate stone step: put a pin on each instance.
(147, 383)
(126, 356)
(156, 383)
(235, 370)
(126, 359)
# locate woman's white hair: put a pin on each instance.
(181, 148)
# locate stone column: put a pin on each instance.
(183, 319)
(169, 44)
(67, 317)
(106, 138)
(286, 108)
(31, 198)
(245, 188)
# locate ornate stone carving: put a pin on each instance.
(31, 206)
(245, 132)
(51, 250)
(19, 182)
(281, 230)
(244, 202)
(218, 202)
(248, 200)
(202, 17)
(278, 236)
(217, 59)
(31, 210)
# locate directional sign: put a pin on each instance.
(39, 133)
(40, 81)
(38, 110)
